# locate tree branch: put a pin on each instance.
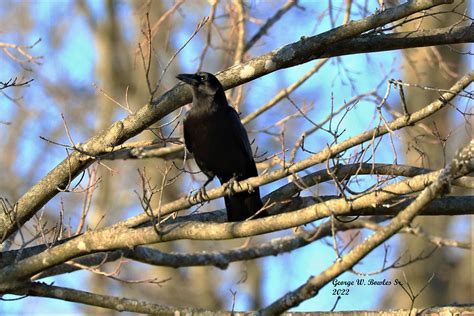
(402, 40)
(447, 206)
(94, 299)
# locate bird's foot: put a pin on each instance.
(199, 196)
(250, 189)
(229, 186)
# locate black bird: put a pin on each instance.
(214, 134)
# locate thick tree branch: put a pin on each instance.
(446, 206)
(402, 40)
(136, 306)
(94, 299)
(276, 246)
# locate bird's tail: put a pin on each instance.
(241, 206)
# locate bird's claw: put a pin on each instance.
(199, 196)
(250, 189)
(229, 187)
(203, 194)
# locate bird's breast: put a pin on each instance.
(207, 130)
(214, 143)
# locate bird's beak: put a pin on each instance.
(189, 79)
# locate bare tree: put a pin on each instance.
(329, 158)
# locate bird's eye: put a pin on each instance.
(202, 77)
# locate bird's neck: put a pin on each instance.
(210, 101)
(220, 98)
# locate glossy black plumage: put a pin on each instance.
(220, 145)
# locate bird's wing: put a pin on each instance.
(187, 138)
(240, 134)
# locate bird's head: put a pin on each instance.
(203, 83)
